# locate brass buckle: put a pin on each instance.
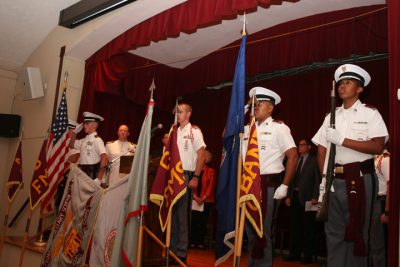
(339, 169)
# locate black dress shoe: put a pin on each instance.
(292, 258)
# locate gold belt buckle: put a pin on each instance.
(339, 169)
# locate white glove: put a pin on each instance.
(333, 136)
(97, 181)
(132, 148)
(246, 109)
(281, 191)
(78, 128)
(322, 190)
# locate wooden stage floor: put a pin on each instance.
(206, 258)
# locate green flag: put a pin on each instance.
(125, 247)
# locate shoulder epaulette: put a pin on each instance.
(195, 126)
(277, 121)
(369, 106)
(96, 136)
(110, 142)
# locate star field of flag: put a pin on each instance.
(60, 124)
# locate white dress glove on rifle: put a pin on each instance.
(321, 190)
(281, 191)
(333, 136)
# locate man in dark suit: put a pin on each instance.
(304, 188)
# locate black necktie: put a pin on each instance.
(298, 169)
(299, 166)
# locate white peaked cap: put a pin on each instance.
(350, 71)
(88, 117)
(264, 94)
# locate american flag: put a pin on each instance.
(57, 151)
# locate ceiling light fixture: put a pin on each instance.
(86, 10)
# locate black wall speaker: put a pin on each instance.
(9, 125)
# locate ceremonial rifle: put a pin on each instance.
(329, 164)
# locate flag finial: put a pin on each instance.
(65, 79)
(244, 24)
(152, 88)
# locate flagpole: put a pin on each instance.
(239, 235)
(140, 230)
(62, 53)
(238, 225)
(4, 229)
(168, 239)
(28, 222)
(140, 242)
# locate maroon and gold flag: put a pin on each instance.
(250, 188)
(15, 179)
(169, 184)
(39, 183)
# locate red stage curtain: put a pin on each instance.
(186, 17)
(117, 88)
(394, 84)
(129, 75)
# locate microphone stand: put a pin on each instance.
(108, 166)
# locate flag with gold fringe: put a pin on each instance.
(15, 179)
(39, 182)
(169, 184)
(250, 188)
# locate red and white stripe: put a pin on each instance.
(57, 157)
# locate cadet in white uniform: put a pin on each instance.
(116, 149)
(360, 133)
(93, 156)
(191, 150)
(274, 143)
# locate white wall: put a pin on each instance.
(8, 81)
(37, 113)
(36, 118)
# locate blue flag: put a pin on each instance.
(227, 180)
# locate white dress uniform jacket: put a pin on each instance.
(358, 122)
(274, 139)
(90, 147)
(190, 140)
